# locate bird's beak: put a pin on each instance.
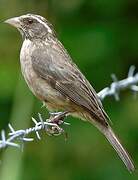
(14, 22)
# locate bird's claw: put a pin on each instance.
(57, 119)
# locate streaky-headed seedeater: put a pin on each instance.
(55, 79)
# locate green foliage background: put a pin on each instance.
(102, 38)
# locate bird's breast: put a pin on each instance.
(26, 62)
(40, 87)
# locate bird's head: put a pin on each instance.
(31, 26)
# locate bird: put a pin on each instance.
(56, 80)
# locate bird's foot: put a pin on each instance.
(57, 119)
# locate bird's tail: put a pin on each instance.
(114, 141)
(111, 137)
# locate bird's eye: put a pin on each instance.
(30, 21)
(27, 21)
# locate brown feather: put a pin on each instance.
(65, 77)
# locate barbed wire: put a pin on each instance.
(114, 89)
(52, 126)
(55, 124)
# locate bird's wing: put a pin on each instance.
(57, 68)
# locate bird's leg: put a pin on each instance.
(58, 117)
(55, 113)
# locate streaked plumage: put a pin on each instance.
(53, 77)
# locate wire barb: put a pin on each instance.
(116, 86)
